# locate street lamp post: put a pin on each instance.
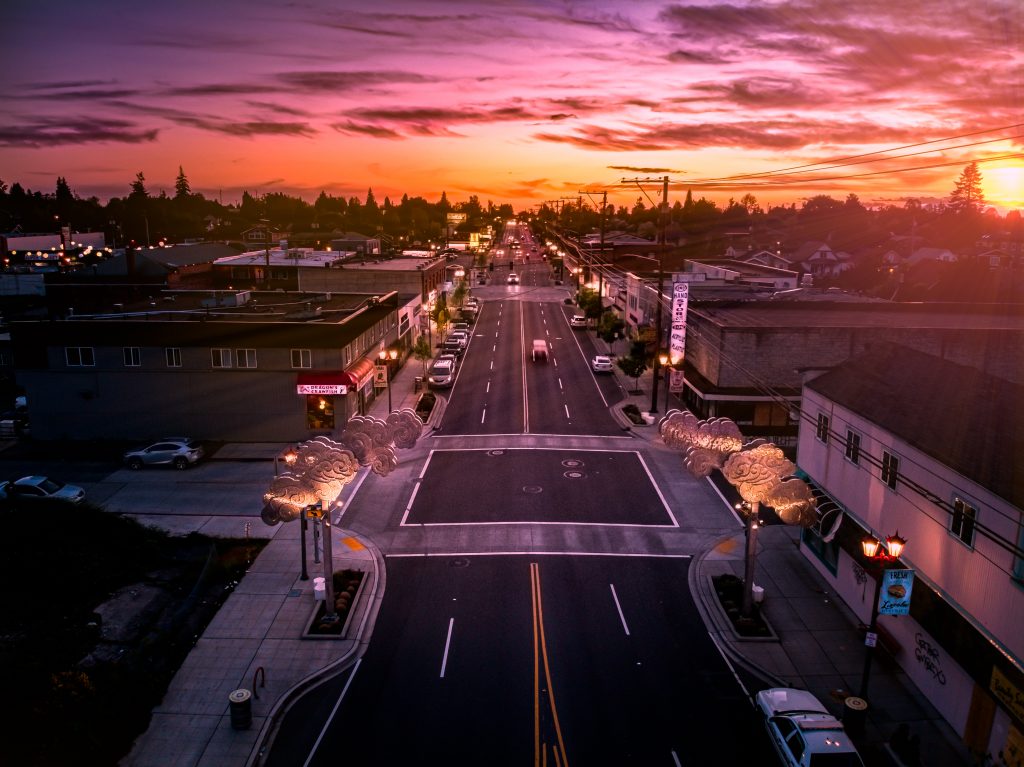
(664, 359)
(883, 555)
(387, 366)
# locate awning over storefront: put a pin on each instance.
(323, 382)
(360, 373)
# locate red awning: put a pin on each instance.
(323, 382)
(360, 373)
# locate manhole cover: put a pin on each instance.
(574, 474)
(533, 489)
(460, 562)
(495, 452)
(572, 463)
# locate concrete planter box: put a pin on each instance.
(318, 609)
(717, 605)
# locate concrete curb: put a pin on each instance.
(265, 738)
(698, 581)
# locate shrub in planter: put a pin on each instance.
(425, 405)
(633, 413)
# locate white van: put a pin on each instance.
(540, 350)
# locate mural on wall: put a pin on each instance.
(323, 466)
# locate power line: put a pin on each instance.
(838, 161)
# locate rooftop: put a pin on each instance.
(961, 416)
(748, 315)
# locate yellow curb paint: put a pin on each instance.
(353, 544)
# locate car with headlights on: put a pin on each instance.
(802, 730)
(39, 488)
(178, 452)
(441, 374)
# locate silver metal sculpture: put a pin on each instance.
(323, 467)
(758, 470)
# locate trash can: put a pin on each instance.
(319, 589)
(855, 712)
(240, 702)
(418, 383)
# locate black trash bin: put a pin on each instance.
(241, 709)
(855, 713)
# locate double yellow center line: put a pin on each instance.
(540, 652)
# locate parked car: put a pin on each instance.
(578, 321)
(601, 364)
(802, 730)
(179, 452)
(38, 488)
(442, 374)
(460, 325)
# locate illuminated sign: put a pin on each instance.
(321, 389)
(677, 340)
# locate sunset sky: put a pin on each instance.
(514, 101)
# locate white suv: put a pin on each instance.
(802, 730)
(578, 321)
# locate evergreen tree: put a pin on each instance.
(182, 189)
(967, 196)
(63, 193)
(139, 186)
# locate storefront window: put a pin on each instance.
(319, 412)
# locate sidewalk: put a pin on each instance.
(820, 648)
(260, 626)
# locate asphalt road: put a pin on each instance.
(512, 659)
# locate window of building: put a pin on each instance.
(132, 356)
(302, 358)
(79, 356)
(1018, 562)
(964, 516)
(173, 355)
(822, 430)
(221, 358)
(852, 446)
(346, 355)
(770, 414)
(319, 412)
(245, 358)
(890, 469)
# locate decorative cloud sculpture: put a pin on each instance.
(323, 466)
(758, 469)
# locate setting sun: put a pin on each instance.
(1004, 185)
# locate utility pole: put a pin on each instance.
(600, 259)
(662, 240)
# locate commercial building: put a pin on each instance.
(745, 359)
(242, 366)
(905, 442)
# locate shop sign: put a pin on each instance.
(380, 376)
(680, 302)
(322, 389)
(895, 596)
(1007, 693)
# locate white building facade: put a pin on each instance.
(909, 443)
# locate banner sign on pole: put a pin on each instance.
(677, 341)
(895, 596)
(380, 376)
